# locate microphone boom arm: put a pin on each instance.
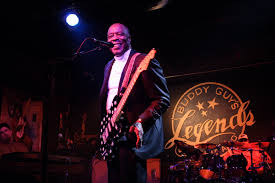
(101, 43)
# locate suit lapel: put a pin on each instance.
(104, 88)
(125, 69)
(107, 74)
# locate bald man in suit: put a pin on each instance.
(143, 110)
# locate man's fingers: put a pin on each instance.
(137, 143)
(131, 130)
(135, 130)
(138, 137)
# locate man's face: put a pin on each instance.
(5, 135)
(118, 35)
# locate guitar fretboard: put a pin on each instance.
(143, 66)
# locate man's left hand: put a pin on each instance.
(138, 130)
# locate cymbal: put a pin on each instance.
(233, 144)
(246, 145)
(187, 149)
(260, 144)
(178, 142)
(206, 146)
(182, 145)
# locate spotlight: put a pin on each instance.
(72, 19)
(71, 15)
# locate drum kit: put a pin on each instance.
(207, 162)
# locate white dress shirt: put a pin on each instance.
(114, 78)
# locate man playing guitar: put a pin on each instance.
(138, 128)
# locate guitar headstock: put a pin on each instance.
(145, 62)
(152, 53)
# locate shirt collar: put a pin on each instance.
(123, 57)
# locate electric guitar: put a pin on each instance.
(114, 125)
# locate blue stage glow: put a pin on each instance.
(72, 19)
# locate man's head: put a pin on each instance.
(119, 35)
(5, 133)
(243, 138)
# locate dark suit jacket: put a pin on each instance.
(148, 100)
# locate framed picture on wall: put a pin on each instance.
(24, 116)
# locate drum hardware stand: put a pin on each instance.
(252, 168)
(219, 162)
(264, 163)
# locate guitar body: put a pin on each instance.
(108, 145)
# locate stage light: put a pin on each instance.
(72, 19)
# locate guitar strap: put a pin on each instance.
(128, 73)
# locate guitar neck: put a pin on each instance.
(143, 66)
(125, 96)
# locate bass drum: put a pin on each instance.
(212, 166)
(236, 165)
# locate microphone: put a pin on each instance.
(103, 43)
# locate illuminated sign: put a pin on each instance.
(209, 112)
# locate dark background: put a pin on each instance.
(189, 36)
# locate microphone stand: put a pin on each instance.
(44, 146)
(80, 53)
(47, 100)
